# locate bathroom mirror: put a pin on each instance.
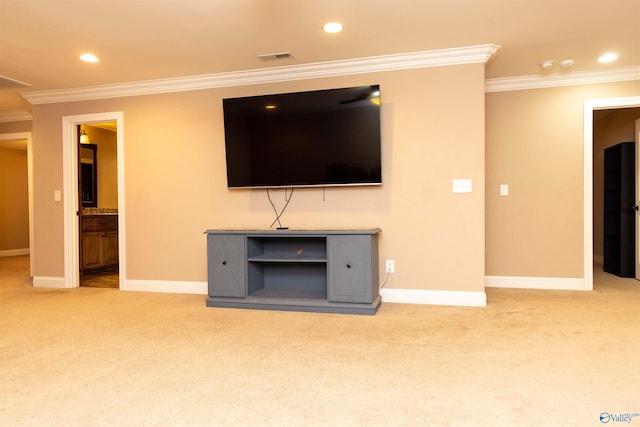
(89, 175)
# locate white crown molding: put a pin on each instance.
(15, 116)
(403, 61)
(566, 79)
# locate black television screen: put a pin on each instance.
(324, 138)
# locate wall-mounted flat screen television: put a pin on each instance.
(317, 138)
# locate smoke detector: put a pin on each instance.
(567, 63)
(547, 65)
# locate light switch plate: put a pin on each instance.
(504, 189)
(462, 186)
(57, 196)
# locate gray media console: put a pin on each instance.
(330, 271)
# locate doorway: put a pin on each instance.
(98, 201)
(22, 140)
(72, 203)
(590, 106)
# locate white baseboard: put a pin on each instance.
(549, 283)
(48, 282)
(404, 296)
(165, 286)
(420, 296)
(14, 252)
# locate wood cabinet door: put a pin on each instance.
(110, 248)
(91, 249)
(350, 273)
(226, 263)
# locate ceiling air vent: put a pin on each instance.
(275, 56)
(7, 83)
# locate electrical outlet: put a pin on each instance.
(391, 266)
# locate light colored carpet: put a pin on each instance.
(104, 357)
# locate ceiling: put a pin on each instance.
(136, 40)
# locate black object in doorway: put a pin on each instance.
(619, 211)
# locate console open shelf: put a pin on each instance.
(305, 270)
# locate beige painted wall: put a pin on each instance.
(610, 127)
(48, 218)
(175, 182)
(14, 199)
(13, 127)
(535, 142)
(433, 131)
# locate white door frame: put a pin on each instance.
(590, 105)
(26, 136)
(70, 188)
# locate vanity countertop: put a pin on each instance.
(100, 211)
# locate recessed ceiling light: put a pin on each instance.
(89, 57)
(608, 57)
(332, 27)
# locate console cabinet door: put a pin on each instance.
(226, 261)
(351, 276)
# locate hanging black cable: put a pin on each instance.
(275, 210)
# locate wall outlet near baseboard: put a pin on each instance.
(391, 266)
